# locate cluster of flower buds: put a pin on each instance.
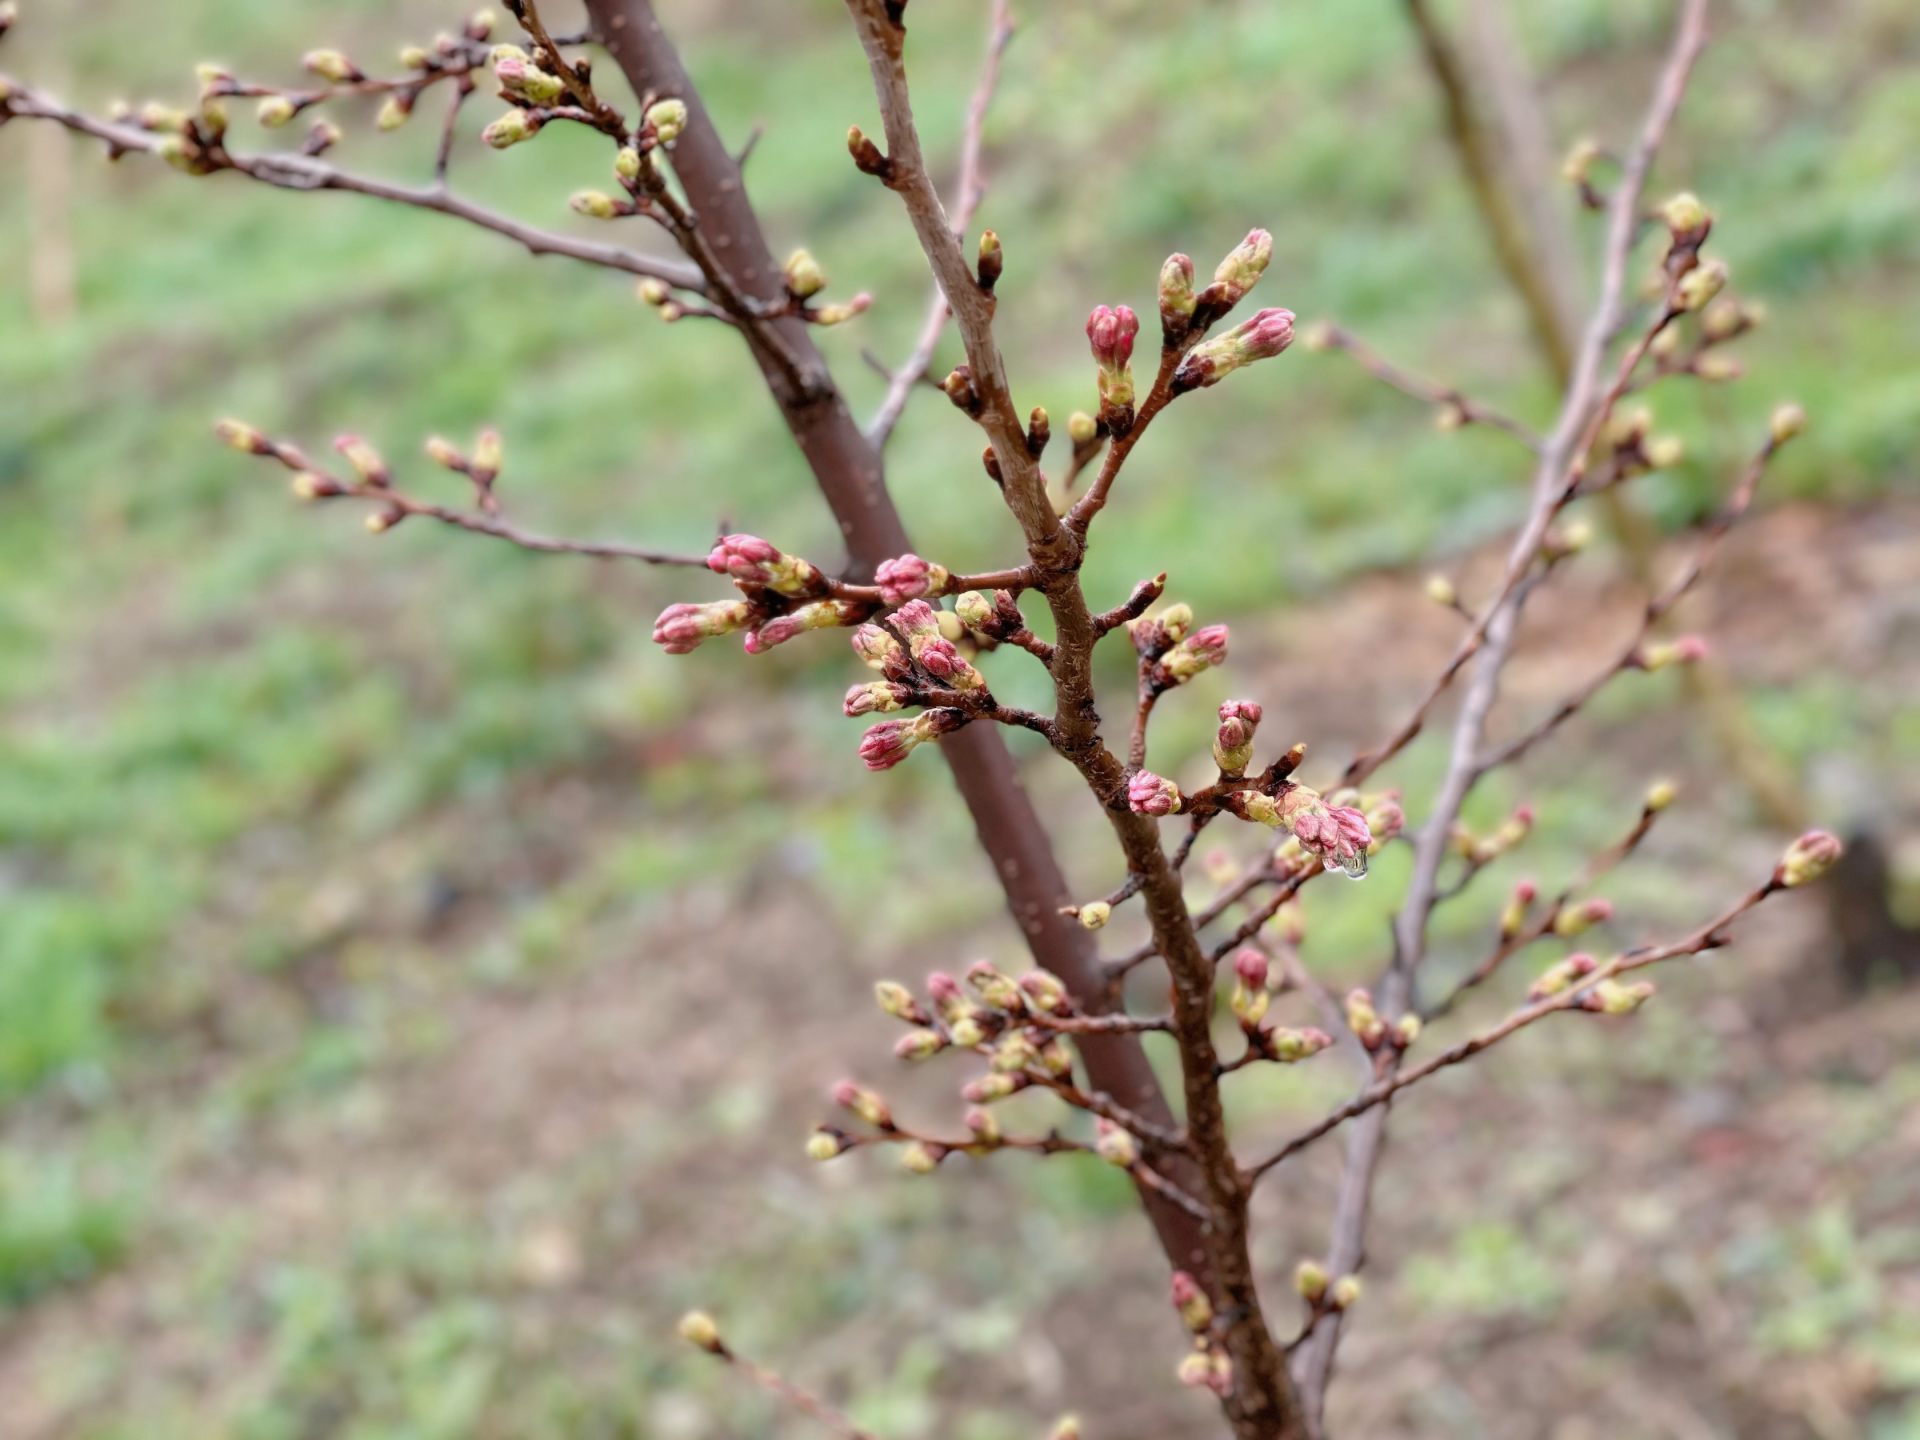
(1807, 859)
(1151, 794)
(1110, 332)
(1153, 635)
(1233, 741)
(1321, 1292)
(1259, 338)
(1631, 445)
(1336, 835)
(994, 617)
(1203, 649)
(1207, 1365)
(908, 577)
(1374, 1033)
(922, 627)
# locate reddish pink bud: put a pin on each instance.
(1186, 1290)
(1338, 835)
(887, 744)
(742, 556)
(1247, 710)
(681, 627)
(906, 578)
(941, 660)
(1110, 331)
(916, 618)
(1251, 968)
(1151, 794)
(943, 989)
(1259, 338)
(878, 695)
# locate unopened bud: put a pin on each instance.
(1095, 914)
(1686, 217)
(275, 111)
(1808, 858)
(1260, 338)
(1577, 167)
(1789, 420)
(394, 113)
(1151, 794)
(1177, 298)
(1082, 428)
(1687, 650)
(1441, 591)
(1115, 1146)
(332, 65)
(596, 205)
(1191, 1303)
(803, 275)
(824, 1145)
(1310, 1281)
(1699, 285)
(896, 1000)
(667, 119)
(510, 129)
(865, 1103)
(698, 1328)
(1344, 1293)
(1579, 919)
(867, 157)
(992, 261)
(1660, 795)
(840, 314)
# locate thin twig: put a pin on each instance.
(968, 191)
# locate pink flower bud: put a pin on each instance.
(1251, 968)
(1259, 338)
(907, 578)
(1338, 835)
(749, 560)
(1203, 648)
(864, 1103)
(1686, 650)
(944, 990)
(878, 696)
(681, 627)
(1045, 993)
(1110, 332)
(916, 618)
(887, 744)
(1151, 794)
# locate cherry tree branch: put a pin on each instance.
(968, 190)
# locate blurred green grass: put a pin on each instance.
(221, 712)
